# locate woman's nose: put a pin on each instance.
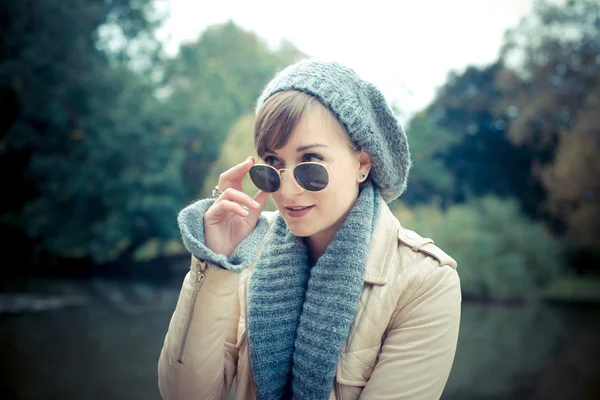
(289, 186)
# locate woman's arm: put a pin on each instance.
(199, 356)
(419, 349)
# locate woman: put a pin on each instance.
(329, 297)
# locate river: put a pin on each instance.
(102, 351)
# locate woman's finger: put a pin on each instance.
(237, 196)
(227, 206)
(261, 199)
(234, 175)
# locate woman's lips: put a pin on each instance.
(298, 213)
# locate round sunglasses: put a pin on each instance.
(312, 176)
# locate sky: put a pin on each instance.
(406, 48)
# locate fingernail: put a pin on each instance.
(250, 158)
(256, 204)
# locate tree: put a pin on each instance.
(105, 154)
(57, 86)
(552, 85)
(210, 84)
(573, 179)
(482, 159)
(430, 180)
(498, 249)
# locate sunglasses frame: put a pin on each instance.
(279, 171)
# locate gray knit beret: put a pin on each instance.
(361, 109)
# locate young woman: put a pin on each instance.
(329, 297)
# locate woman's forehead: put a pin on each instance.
(318, 125)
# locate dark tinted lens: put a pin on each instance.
(265, 178)
(313, 177)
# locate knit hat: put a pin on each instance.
(361, 109)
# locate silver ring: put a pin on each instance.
(216, 192)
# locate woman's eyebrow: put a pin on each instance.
(308, 146)
(299, 149)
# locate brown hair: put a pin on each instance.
(278, 116)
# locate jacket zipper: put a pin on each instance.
(338, 390)
(247, 338)
(200, 276)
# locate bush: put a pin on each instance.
(499, 251)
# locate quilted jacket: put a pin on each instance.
(401, 345)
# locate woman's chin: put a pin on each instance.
(299, 231)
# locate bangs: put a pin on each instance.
(277, 118)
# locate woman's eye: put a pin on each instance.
(270, 160)
(312, 158)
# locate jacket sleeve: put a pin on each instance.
(419, 348)
(199, 355)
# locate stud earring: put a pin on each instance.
(363, 176)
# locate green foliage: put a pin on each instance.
(430, 180)
(79, 128)
(103, 141)
(482, 160)
(498, 250)
(527, 124)
(574, 289)
(210, 84)
(552, 70)
(119, 185)
(226, 63)
(110, 155)
(553, 87)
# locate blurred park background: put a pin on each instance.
(105, 135)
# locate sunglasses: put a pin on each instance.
(311, 176)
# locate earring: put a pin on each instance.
(363, 176)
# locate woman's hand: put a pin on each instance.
(226, 223)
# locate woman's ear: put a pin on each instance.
(364, 166)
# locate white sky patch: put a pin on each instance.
(405, 48)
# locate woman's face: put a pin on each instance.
(318, 137)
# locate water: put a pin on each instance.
(527, 352)
(98, 351)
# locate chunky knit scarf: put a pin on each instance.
(299, 316)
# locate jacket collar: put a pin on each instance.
(384, 240)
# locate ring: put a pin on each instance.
(216, 192)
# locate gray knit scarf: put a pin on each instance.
(299, 316)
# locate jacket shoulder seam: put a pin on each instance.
(425, 245)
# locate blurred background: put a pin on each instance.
(116, 114)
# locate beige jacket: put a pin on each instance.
(401, 345)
